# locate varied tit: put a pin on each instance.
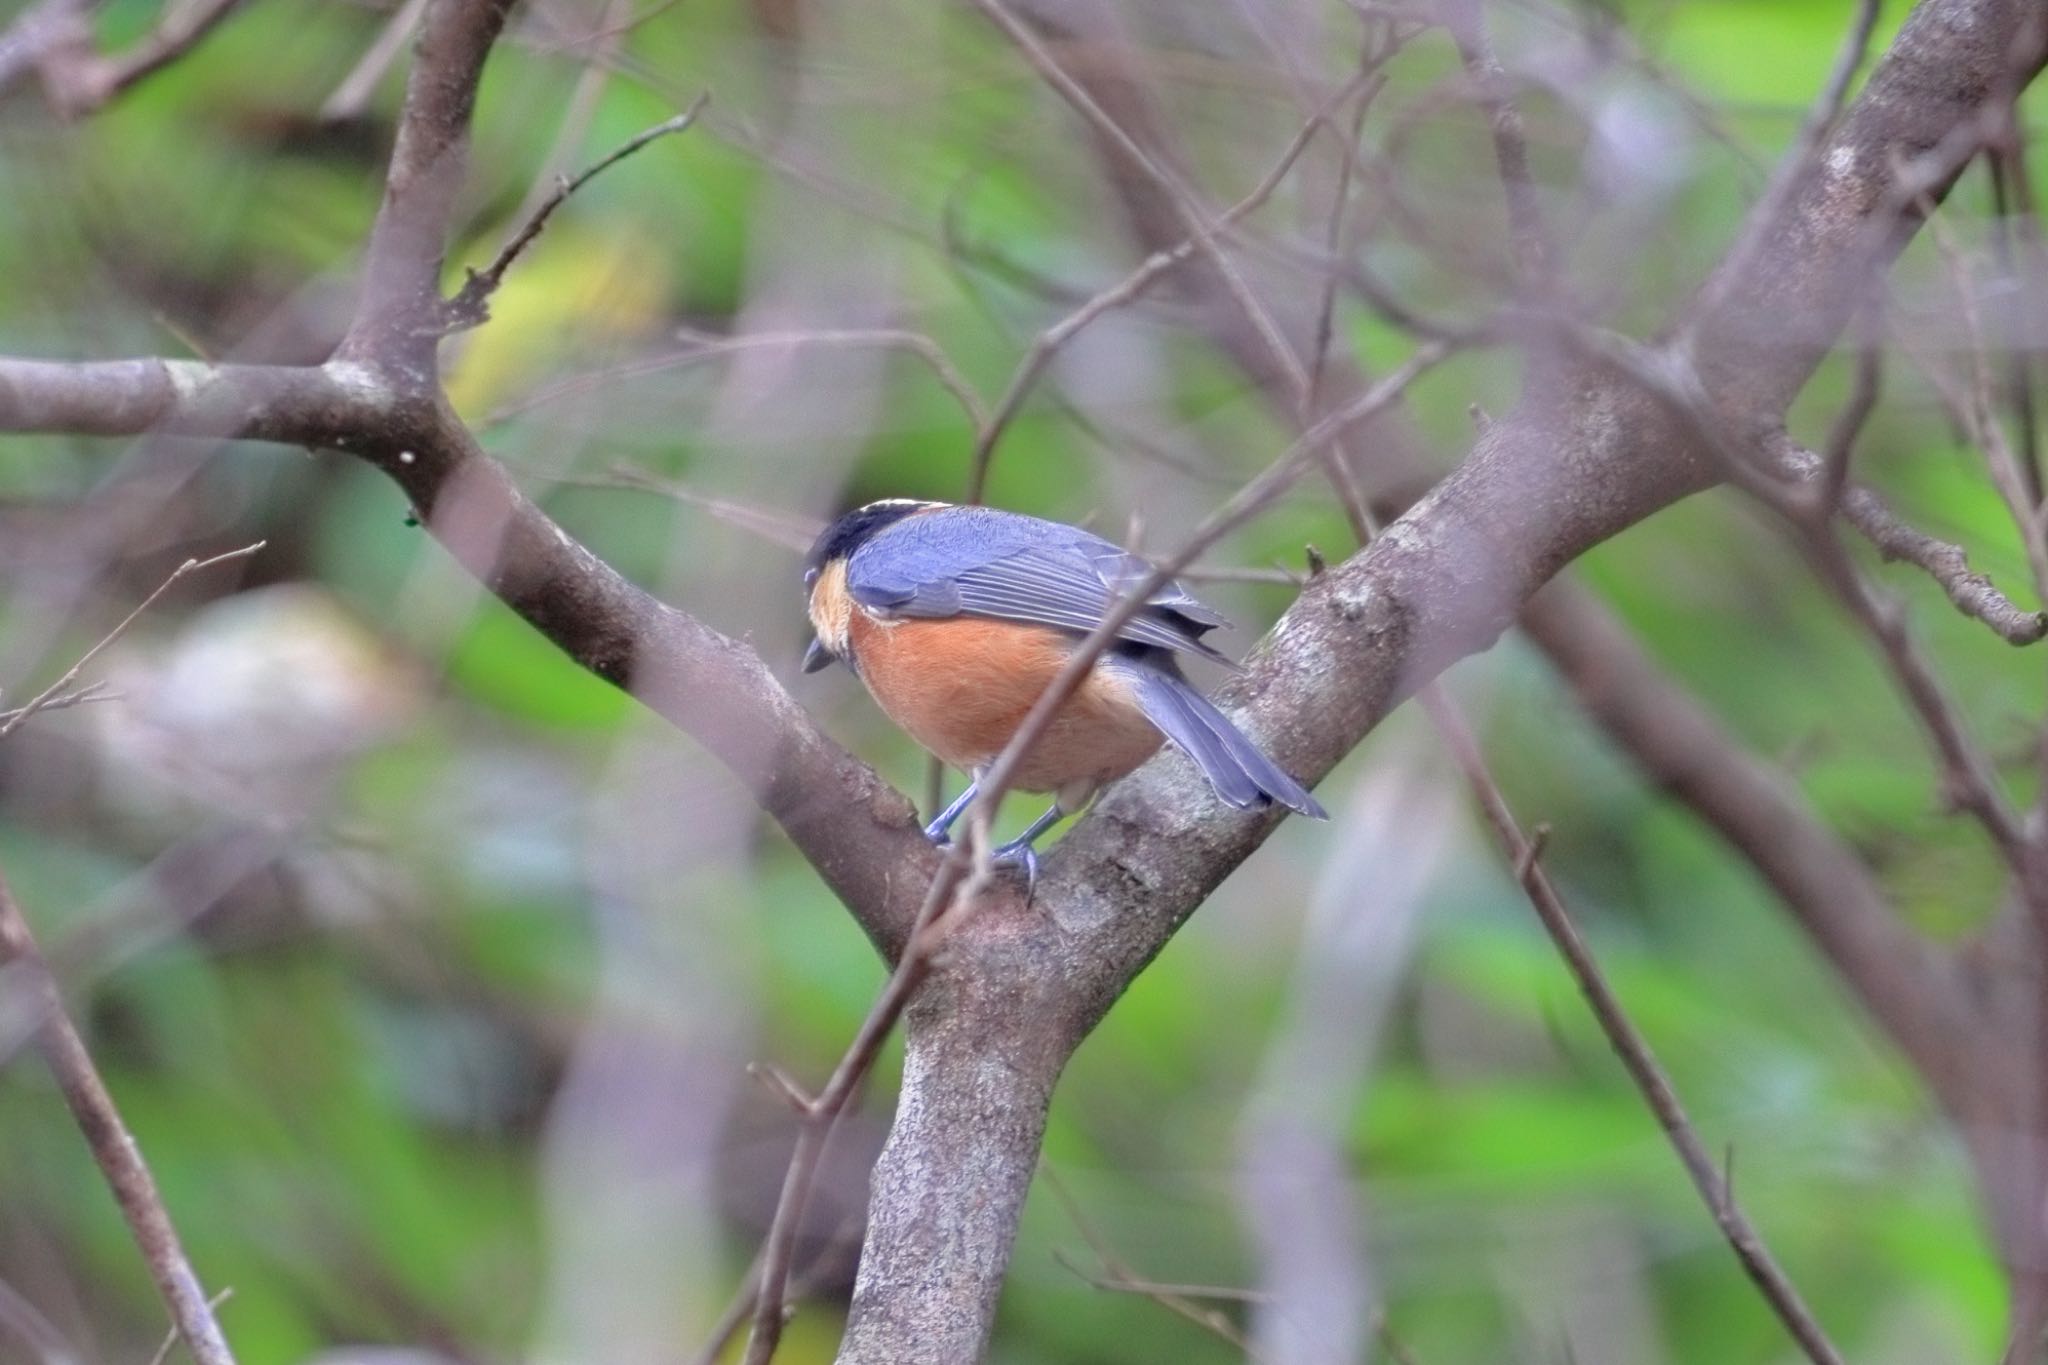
(958, 618)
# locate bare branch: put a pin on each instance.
(1047, 345)
(397, 327)
(1372, 61)
(859, 832)
(951, 897)
(113, 1146)
(88, 83)
(352, 96)
(82, 696)
(1911, 990)
(54, 695)
(1535, 259)
(1628, 1042)
(1180, 1300)
(1849, 424)
(172, 1337)
(470, 306)
(1772, 468)
(707, 347)
(1973, 410)
(791, 532)
(1972, 593)
(1194, 217)
(2012, 206)
(1797, 163)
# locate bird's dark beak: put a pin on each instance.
(817, 656)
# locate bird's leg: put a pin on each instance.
(939, 831)
(1019, 853)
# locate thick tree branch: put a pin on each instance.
(1580, 459)
(1586, 454)
(861, 834)
(398, 326)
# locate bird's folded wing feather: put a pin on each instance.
(974, 561)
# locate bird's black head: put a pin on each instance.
(829, 604)
(855, 529)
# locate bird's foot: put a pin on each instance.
(1019, 853)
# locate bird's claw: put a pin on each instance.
(938, 834)
(1019, 853)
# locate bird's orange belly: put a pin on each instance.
(960, 687)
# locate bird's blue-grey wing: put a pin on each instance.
(979, 561)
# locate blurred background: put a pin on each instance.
(428, 969)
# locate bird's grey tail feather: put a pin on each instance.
(1240, 773)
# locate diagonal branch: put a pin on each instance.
(1627, 1041)
(471, 305)
(1911, 990)
(1584, 456)
(55, 697)
(1580, 459)
(79, 85)
(113, 1146)
(859, 832)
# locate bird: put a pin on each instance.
(957, 617)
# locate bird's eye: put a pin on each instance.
(810, 577)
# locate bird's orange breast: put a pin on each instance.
(961, 686)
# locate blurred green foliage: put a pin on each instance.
(351, 1075)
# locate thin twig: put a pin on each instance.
(51, 695)
(113, 1146)
(1628, 1043)
(1048, 343)
(916, 344)
(1372, 60)
(91, 692)
(1972, 593)
(1973, 409)
(470, 306)
(1849, 423)
(581, 110)
(1119, 1277)
(1125, 1285)
(170, 1341)
(2019, 361)
(90, 84)
(707, 347)
(785, 529)
(1534, 256)
(1194, 217)
(1177, 1299)
(353, 94)
(952, 894)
